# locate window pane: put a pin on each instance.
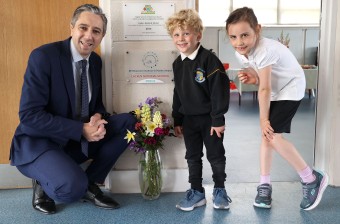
(268, 12)
(300, 11)
(265, 10)
(214, 14)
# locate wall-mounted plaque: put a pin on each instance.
(146, 21)
(148, 67)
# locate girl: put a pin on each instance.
(281, 81)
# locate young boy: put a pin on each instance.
(200, 100)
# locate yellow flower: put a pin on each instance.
(130, 136)
(157, 119)
(150, 128)
(137, 113)
(145, 113)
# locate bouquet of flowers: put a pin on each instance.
(150, 130)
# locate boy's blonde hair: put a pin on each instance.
(186, 18)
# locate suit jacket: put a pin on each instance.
(47, 106)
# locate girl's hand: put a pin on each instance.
(248, 76)
(267, 130)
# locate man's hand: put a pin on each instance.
(95, 118)
(219, 131)
(95, 129)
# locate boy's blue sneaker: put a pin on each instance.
(312, 192)
(192, 199)
(264, 196)
(221, 199)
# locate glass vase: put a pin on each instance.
(150, 174)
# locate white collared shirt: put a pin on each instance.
(192, 56)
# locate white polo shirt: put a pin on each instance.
(287, 77)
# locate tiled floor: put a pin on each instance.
(15, 208)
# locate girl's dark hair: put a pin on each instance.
(244, 14)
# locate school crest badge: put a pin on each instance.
(199, 75)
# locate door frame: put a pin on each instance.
(327, 132)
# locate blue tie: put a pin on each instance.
(84, 102)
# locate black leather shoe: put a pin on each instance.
(40, 201)
(97, 197)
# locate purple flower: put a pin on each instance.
(151, 101)
(134, 146)
(166, 122)
(140, 150)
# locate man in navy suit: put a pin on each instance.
(46, 145)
